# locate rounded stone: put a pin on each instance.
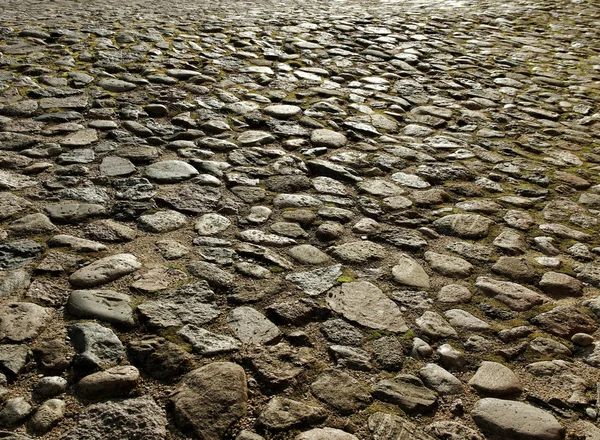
(170, 171)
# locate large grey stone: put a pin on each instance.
(96, 346)
(366, 304)
(505, 419)
(105, 305)
(20, 321)
(134, 419)
(252, 327)
(105, 270)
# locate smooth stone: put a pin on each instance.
(325, 434)
(116, 85)
(104, 305)
(366, 304)
(115, 166)
(113, 382)
(49, 386)
(308, 254)
(440, 380)
(410, 273)
(449, 265)
(14, 411)
(497, 380)
(170, 171)
(515, 420)
(341, 391)
(105, 270)
(75, 243)
(283, 111)
(328, 138)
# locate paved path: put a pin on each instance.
(299, 220)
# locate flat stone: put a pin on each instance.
(410, 273)
(283, 111)
(15, 182)
(384, 426)
(170, 171)
(12, 205)
(308, 254)
(215, 276)
(104, 305)
(341, 391)
(32, 224)
(251, 327)
(211, 224)
(514, 295)
(463, 319)
(497, 380)
(406, 391)
(189, 304)
(75, 243)
(515, 420)
(159, 358)
(440, 380)
(81, 138)
(316, 281)
(74, 212)
(325, 434)
(113, 382)
(252, 138)
(96, 346)
(105, 270)
(555, 283)
(20, 321)
(115, 166)
(162, 221)
(207, 343)
(328, 138)
(565, 321)
(210, 399)
(366, 304)
(281, 413)
(464, 225)
(12, 281)
(358, 252)
(116, 85)
(433, 325)
(410, 180)
(131, 418)
(449, 265)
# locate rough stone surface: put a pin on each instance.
(366, 304)
(210, 399)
